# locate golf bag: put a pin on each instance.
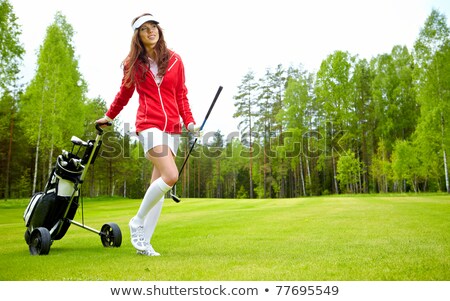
(50, 213)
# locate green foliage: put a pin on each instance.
(52, 109)
(355, 125)
(356, 105)
(396, 109)
(381, 168)
(245, 102)
(53, 102)
(333, 86)
(242, 193)
(432, 37)
(11, 51)
(433, 78)
(348, 172)
(405, 164)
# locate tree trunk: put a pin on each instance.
(92, 182)
(113, 188)
(8, 163)
(36, 160)
(334, 171)
(264, 169)
(219, 191)
(308, 170)
(234, 185)
(183, 185)
(447, 184)
(110, 178)
(302, 178)
(198, 191)
(188, 178)
(251, 159)
(50, 159)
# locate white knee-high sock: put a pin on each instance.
(154, 193)
(151, 220)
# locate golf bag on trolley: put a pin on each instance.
(50, 213)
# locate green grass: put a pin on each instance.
(392, 237)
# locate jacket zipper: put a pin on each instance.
(159, 92)
(162, 105)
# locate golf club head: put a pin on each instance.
(77, 141)
(175, 198)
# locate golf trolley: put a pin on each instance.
(50, 213)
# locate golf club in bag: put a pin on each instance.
(173, 193)
(50, 213)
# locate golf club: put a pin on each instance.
(173, 194)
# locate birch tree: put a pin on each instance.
(11, 53)
(53, 104)
(432, 79)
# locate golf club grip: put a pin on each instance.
(211, 106)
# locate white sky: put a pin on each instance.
(220, 41)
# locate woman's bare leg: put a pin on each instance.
(163, 160)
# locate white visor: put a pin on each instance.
(142, 20)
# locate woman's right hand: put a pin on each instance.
(103, 122)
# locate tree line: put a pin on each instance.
(354, 126)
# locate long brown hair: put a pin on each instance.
(137, 57)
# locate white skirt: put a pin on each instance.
(152, 137)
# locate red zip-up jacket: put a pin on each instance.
(160, 106)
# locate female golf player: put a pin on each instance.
(157, 74)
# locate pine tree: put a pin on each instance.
(246, 110)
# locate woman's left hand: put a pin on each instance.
(194, 129)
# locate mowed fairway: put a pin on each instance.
(396, 237)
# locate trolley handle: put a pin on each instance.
(98, 127)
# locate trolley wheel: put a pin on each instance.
(27, 236)
(40, 241)
(111, 235)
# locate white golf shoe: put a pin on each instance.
(137, 236)
(149, 251)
